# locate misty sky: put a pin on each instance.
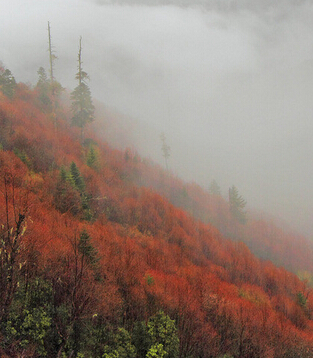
(229, 82)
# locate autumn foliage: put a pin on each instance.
(104, 240)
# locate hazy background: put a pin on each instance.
(229, 82)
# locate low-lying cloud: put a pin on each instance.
(229, 82)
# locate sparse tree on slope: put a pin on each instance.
(51, 86)
(92, 158)
(43, 88)
(237, 205)
(214, 188)
(54, 86)
(52, 58)
(7, 83)
(165, 149)
(82, 106)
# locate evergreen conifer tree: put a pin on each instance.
(237, 205)
(82, 106)
(92, 158)
(86, 249)
(214, 188)
(7, 83)
(77, 179)
(43, 88)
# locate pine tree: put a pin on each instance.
(92, 158)
(214, 188)
(87, 250)
(7, 83)
(63, 175)
(43, 88)
(82, 106)
(77, 179)
(237, 205)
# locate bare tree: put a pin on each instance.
(165, 149)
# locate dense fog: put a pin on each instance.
(230, 83)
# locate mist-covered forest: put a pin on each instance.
(154, 197)
(229, 85)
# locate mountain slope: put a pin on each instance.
(265, 236)
(93, 262)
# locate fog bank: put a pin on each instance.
(230, 85)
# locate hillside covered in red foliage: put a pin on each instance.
(104, 254)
